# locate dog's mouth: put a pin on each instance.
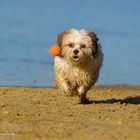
(76, 58)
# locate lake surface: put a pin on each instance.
(28, 28)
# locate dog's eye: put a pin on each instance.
(71, 45)
(82, 46)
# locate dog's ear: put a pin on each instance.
(94, 39)
(60, 38)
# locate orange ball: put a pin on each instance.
(55, 50)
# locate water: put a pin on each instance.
(28, 28)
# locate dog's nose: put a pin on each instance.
(76, 51)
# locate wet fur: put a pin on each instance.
(77, 77)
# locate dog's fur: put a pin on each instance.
(77, 68)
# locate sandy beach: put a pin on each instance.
(44, 113)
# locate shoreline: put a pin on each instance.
(95, 86)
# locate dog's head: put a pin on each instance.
(78, 45)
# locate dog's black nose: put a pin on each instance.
(76, 51)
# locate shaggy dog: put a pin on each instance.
(77, 68)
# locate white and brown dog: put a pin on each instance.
(77, 68)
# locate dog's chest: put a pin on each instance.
(74, 74)
(77, 74)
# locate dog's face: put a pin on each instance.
(78, 46)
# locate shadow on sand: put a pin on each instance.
(128, 100)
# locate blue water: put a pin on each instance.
(29, 27)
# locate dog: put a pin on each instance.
(77, 68)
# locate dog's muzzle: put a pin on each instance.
(75, 55)
(76, 51)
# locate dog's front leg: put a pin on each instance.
(66, 88)
(82, 94)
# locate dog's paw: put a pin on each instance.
(84, 101)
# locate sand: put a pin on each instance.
(44, 113)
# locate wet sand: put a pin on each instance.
(44, 113)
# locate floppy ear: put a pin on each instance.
(94, 39)
(60, 38)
